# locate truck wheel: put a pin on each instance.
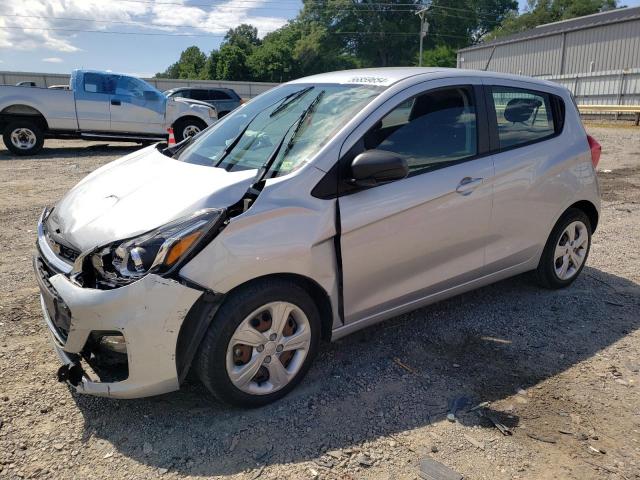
(187, 127)
(23, 137)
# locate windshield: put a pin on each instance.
(283, 128)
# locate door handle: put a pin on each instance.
(116, 102)
(467, 185)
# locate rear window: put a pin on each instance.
(523, 116)
(100, 83)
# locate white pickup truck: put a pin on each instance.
(98, 106)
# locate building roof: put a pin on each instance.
(588, 21)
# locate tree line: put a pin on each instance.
(338, 34)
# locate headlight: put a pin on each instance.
(157, 251)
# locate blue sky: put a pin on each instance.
(42, 36)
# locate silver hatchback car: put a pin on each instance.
(320, 207)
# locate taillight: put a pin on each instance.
(596, 150)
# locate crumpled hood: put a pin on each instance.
(138, 193)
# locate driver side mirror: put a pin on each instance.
(375, 167)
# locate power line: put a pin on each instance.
(164, 25)
(79, 30)
(209, 35)
(354, 6)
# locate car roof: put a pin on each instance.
(201, 87)
(391, 75)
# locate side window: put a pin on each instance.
(218, 95)
(198, 94)
(130, 86)
(523, 116)
(429, 130)
(99, 83)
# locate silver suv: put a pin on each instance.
(325, 205)
(222, 99)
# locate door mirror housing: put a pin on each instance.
(375, 167)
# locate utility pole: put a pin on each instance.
(424, 29)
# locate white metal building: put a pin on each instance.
(596, 56)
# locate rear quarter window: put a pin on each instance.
(525, 116)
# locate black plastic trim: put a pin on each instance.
(339, 272)
(193, 330)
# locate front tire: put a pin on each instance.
(23, 137)
(187, 127)
(566, 250)
(260, 343)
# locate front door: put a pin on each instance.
(403, 241)
(92, 101)
(136, 108)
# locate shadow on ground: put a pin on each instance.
(485, 344)
(54, 153)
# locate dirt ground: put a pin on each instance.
(561, 369)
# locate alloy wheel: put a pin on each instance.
(571, 250)
(268, 348)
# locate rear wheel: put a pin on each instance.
(566, 250)
(187, 127)
(260, 344)
(23, 137)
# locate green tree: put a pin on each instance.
(539, 12)
(274, 60)
(191, 63)
(173, 71)
(244, 36)
(386, 33)
(440, 56)
(338, 34)
(209, 69)
(232, 63)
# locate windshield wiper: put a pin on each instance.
(235, 141)
(289, 99)
(297, 124)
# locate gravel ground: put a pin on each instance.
(560, 368)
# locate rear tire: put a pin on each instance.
(282, 352)
(23, 137)
(187, 127)
(566, 250)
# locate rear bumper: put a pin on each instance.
(148, 313)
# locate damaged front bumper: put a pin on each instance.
(147, 313)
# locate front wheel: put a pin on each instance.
(260, 344)
(566, 250)
(23, 137)
(188, 127)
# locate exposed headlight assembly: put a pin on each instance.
(157, 251)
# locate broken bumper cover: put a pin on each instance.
(148, 313)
